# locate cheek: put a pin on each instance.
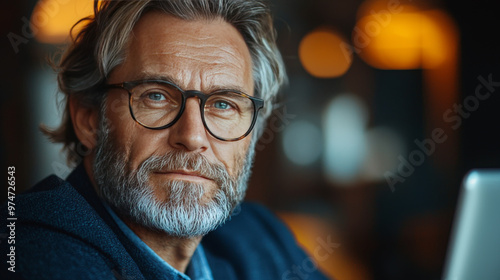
(119, 117)
(136, 142)
(121, 137)
(142, 144)
(118, 108)
(121, 125)
(232, 155)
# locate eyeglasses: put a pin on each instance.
(227, 115)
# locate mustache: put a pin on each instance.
(177, 160)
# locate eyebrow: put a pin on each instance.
(173, 80)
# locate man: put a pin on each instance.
(165, 102)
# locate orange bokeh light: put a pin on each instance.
(51, 20)
(389, 36)
(392, 35)
(323, 54)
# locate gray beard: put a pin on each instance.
(183, 214)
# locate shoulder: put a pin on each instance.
(45, 253)
(51, 203)
(57, 234)
(253, 219)
(256, 245)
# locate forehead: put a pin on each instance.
(195, 54)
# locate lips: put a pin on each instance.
(184, 173)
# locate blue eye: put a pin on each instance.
(221, 105)
(155, 96)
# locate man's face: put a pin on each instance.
(198, 55)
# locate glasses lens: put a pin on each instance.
(155, 104)
(228, 115)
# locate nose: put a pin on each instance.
(189, 133)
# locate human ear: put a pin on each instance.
(85, 122)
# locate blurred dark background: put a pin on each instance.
(379, 123)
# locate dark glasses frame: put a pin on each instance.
(129, 86)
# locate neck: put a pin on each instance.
(176, 251)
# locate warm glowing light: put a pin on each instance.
(397, 46)
(440, 39)
(323, 54)
(313, 233)
(389, 36)
(392, 34)
(52, 20)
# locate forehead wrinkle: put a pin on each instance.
(213, 62)
(213, 87)
(218, 65)
(221, 62)
(208, 86)
(227, 76)
(193, 37)
(225, 54)
(207, 44)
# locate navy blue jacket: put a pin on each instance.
(63, 231)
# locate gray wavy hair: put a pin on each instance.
(100, 46)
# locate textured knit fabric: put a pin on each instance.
(63, 231)
(198, 268)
